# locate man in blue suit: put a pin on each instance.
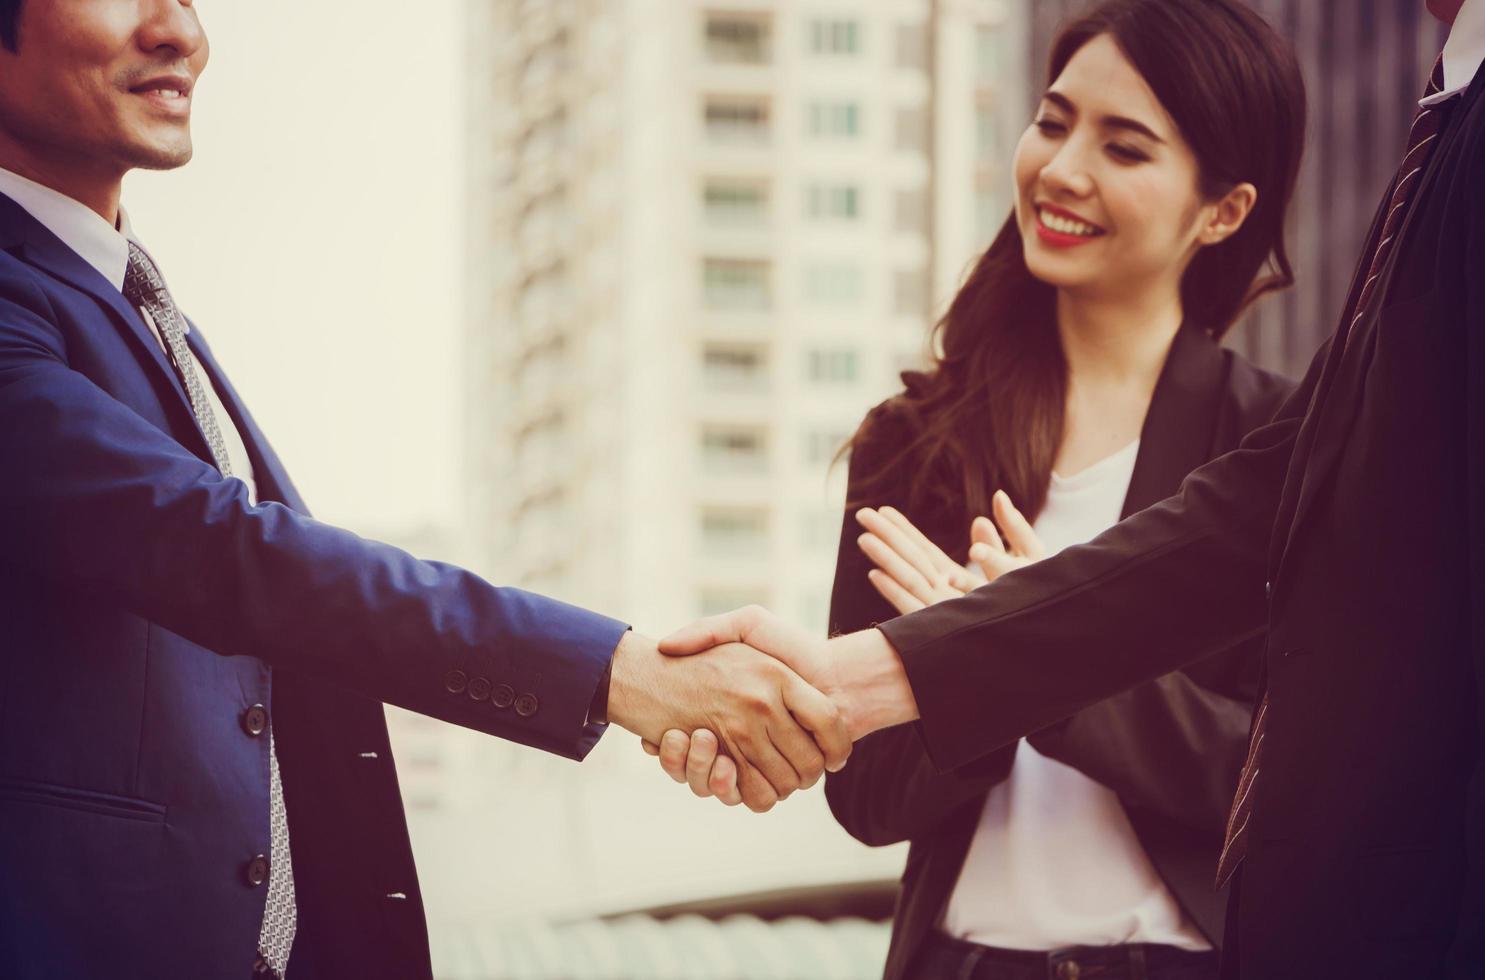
(195, 779)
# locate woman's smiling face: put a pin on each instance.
(1107, 199)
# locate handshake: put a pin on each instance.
(771, 707)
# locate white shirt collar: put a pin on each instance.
(80, 228)
(1463, 52)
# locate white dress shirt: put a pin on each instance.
(1463, 52)
(106, 249)
(1054, 861)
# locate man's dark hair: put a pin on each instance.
(10, 15)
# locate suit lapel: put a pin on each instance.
(1336, 404)
(47, 252)
(1176, 437)
(1304, 442)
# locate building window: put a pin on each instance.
(833, 284)
(543, 219)
(736, 284)
(991, 210)
(737, 39)
(910, 134)
(820, 528)
(736, 119)
(912, 46)
(734, 366)
(987, 132)
(910, 292)
(541, 443)
(733, 449)
(916, 359)
(733, 203)
(834, 120)
(910, 212)
(541, 296)
(832, 365)
(821, 445)
(833, 202)
(545, 64)
(742, 531)
(543, 139)
(835, 37)
(814, 611)
(542, 520)
(990, 54)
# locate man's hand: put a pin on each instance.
(693, 759)
(780, 731)
(860, 672)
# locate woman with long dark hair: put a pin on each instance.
(1080, 379)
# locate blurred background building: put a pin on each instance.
(703, 239)
(589, 306)
(707, 237)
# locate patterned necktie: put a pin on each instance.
(1421, 140)
(145, 288)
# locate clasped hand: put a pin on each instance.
(911, 573)
(778, 732)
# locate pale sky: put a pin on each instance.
(315, 239)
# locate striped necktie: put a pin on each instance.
(1421, 140)
(145, 288)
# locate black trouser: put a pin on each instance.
(942, 958)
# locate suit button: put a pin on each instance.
(479, 688)
(256, 871)
(1268, 590)
(526, 705)
(503, 696)
(455, 681)
(255, 720)
(1068, 970)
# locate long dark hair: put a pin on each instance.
(988, 414)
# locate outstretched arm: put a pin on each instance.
(1172, 585)
(96, 497)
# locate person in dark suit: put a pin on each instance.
(1348, 534)
(195, 778)
(1069, 382)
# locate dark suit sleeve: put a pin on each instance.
(1470, 938)
(1171, 745)
(1172, 585)
(1176, 745)
(97, 498)
(890, 790)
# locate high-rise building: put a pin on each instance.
(705, 237)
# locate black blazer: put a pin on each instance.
(1351, 530)
(1172, 748)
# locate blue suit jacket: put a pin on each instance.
(146, 605)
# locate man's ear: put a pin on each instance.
(1228, 214)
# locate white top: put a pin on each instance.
(1054, 861)
(106, 249)
(1463, 52)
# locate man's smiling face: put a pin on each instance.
(101, 86)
